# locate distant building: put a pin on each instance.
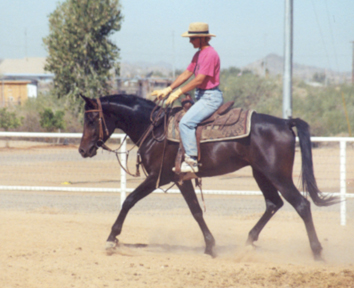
(33, 65)
(141, 87)
(13, 92)
(21, 78)
(29, 74)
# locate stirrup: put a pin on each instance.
(186, 168)
(189, 167)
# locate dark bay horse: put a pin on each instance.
(269, 150)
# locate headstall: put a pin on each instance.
(101, 124)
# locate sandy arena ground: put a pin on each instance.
(51, 247)
(57, 239)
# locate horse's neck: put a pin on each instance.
(133, 122)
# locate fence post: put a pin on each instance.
(123, 176)
(343, 187)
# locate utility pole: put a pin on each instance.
(353, 64)
(173, 57)
(26, 43)
(288, 60)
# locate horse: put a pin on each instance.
(269, 150)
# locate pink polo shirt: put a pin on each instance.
(208, 63)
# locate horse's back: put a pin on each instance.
(271, 127)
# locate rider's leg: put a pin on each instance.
(208, 102)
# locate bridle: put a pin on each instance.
(104, 131)
(101, 123)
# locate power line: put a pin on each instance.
(321, 34)
(332, 36)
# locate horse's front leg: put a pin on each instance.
(189, 195)
(140, 192)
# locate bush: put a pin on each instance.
(9, 120)
(324, 108)
(31, 111)
(50, 120)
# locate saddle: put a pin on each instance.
(219, 115)
(224, 124)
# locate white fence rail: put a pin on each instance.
(343, 171)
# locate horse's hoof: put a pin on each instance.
(210, 252)
(249, 242)
(251, 245)
(318, 258)
(251, 239)
(111, 246)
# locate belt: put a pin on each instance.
(215, 88)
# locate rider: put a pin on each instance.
(205, 66)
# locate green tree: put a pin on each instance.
(250, 91)
(9, 120)
(50, 120)
(323, 108)
(81, 55)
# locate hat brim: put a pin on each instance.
(187, 34)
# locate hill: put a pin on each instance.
(274, 64)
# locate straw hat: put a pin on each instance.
(198, 29)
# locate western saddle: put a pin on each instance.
(224, 116)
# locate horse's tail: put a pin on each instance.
(309, 184)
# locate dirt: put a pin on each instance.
(45, 242)
(49, 247)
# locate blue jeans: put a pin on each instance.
(208, 102)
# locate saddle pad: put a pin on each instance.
(213, 133)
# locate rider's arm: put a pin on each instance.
(191, 85)
(161, 94)
(181, 79)
(198, 80)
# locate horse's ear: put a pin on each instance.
(89, 102)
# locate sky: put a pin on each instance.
(246, 30)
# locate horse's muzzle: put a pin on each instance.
(92, 151)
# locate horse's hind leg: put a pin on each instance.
(273, 204)
(189, 195)
(303, 208)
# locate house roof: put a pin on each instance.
(14, 82)
(33, 65)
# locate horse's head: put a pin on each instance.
(96, 129)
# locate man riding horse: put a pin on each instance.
(205, 66)
(269, 148)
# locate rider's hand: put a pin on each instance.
(174, 96)
(161, 94)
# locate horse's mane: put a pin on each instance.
(129, 100)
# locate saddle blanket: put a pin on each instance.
(216, 131)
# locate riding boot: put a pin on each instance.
(190, 164)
